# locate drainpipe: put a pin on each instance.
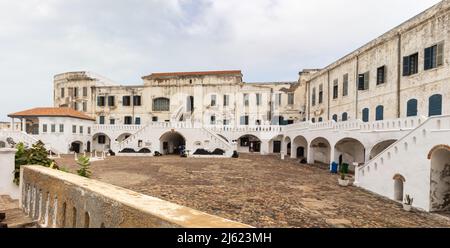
(399, 62)
(328, 95)
(308, 106)
(357, 88)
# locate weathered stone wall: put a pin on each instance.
(59, 199)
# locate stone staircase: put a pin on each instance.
(15, 217)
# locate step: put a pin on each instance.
(16, 218)
(7, 203)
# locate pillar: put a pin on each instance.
(12, 124)
(265, 147)
(332, 154)
(7, 166)
(310, 152)
(293, 150)
(24, 125)
(356, 182)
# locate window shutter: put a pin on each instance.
(406, 71)
(366, 81)
(361, 82)
(440, 54)
(411, 108)
(428, 58)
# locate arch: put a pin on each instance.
(365, 115)
(436, 148)
(87, 219)
(335, 118)
(161, 104)
(320, 150)
(101, 142)
(275, 144)
(249, 143)
(440, 179)
(172, 143)
(380, 147)
(411, 108)
(76, 146)
(435, 105)
(399, 182)
(379, 113)
(349, 151)
(74, 217)
(345, 116)
(300, 147)
(287, 145)
(2, 144)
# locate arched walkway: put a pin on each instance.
(76, 146)
(320, 151)
(300, 147)
(249, 143)
(349, 151)
(380, 147)
(440, 179)
(100, 142)
(287, 145)
(172, 143)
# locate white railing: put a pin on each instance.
(218, 128)
(27, 139)
(106, 128)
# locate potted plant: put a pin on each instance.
(343, 180)
(408, 203)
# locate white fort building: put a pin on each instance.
(384, 109)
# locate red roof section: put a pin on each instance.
(56, 112)
(194, 73)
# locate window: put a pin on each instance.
(335, 89)
(379, 113)
(112, 121)
(74, 129)
(84, 106)
(137, 121)
(313, 120)
(244, 120)
(435, 105)
(61, 128)
(89, 130)
(345, 85)
(75, 92)
(320, 119)
(320, 93)
(278, 99)
(258, 122)
(137, 101)
(434, 56)
(381, 77)
(258, 99)
(290, 98)
(410, 64)
(75, 106)
(62, 92)
(85, 91)
(313, 97)
(53, 128)
(161, 104)
(44, 128)
(128, 120)
(155, 118)
(411, 108)
(101, 101)
(213, 120)
(111, 101)
(335, 118)
(101, 120)
(213, 100)
(81, 129)
(345, 116)
(102, 139)
(363, 81)
(226, 100)
(226, 122)
(365, 115)
(246, 100)
(126, 101)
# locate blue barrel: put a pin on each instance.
(334, 168)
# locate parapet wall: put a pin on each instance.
(60, 199)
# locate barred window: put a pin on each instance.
(161, 104)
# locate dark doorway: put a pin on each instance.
(76, 147)
(88, 146)
(300, 152)
(277, 147)
(289, 149)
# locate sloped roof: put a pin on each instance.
(53, 112)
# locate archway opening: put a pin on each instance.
(349, 151)
(249, 143)
(275, 144)
(398, 188)
(440, 180)
(101, 142)
(321, 150)
(123, 137)
(287, 146)
(76, 147)
(172, 143)
(380, 147)
(300, 145)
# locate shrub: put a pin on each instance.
(145, 150)
(128, 150)
(218, 152)
(84, 164)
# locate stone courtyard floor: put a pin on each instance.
(262, 191)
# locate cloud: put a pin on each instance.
(269, 40)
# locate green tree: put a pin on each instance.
(84, 164)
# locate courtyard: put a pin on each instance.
(262, 191)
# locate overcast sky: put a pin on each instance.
(269, 40)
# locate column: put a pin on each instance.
(12, 124)
(293, 150)
(24, 125)
(356, 182)
(310, 155)
(265, 147)
(332, 154)
(7, 165)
